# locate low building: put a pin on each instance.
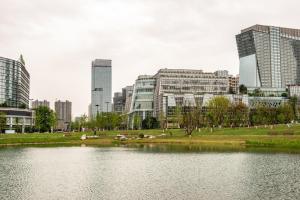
(181, 84)
(17, 119)
(294, 90)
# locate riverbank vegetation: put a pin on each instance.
(278, 136)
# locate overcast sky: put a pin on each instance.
(60, 38)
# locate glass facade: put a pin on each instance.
(101, 86)
(277, 53)
(14, 83)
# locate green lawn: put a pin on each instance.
(279, 136)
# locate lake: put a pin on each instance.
(147, 172)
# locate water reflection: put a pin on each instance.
(147, 172)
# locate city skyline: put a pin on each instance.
(58, 50)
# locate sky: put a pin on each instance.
(60, 38)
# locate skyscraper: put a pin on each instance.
(101, 86)
(14, 83)
(63, 112)
(269, 56)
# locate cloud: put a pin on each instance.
(60, 38)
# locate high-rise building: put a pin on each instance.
(269, 56)
(63, 110)
(101, 86)
(14, 83)
(118, 105)
(35, 104)
(14, 95)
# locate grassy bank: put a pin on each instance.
(280, 136)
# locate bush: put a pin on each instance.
(141, 135)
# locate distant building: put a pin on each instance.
(269, 56)
(234, 84)
(35, 104)
(63, 110)
(101, 87)
(118, 105)
(127, 97)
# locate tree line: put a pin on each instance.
(219, 112)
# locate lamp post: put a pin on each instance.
(97, 108)
(107, 106)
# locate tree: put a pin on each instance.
(285, 113)
(163, 122)
(45, 119)
(239, 114)
(293, 102)
(190, 119)
(136, 122)
(2, 121)
(218, 109)
(150, 123)
(243, 89)
(178, 116)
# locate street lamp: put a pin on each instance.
(97, 109)
(107, 106)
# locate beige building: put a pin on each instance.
(63, 110)
(35, 104)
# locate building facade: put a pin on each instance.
(178, 87)
(118, 102)
(142, 103)
(14, 84)
(14, 95)
(63, 110)
(35, 104)
(127, 97)
(101, 87)
(269, 56)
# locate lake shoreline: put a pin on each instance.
(279, 136)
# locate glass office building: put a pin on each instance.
(14, 84)
(269, 56)
(101, 87)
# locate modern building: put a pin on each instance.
(269, 56)
(101, 87)
(178, 87)
(118, 102)
(35, 104)
(142, 103)
(127, 97)
(14, 83)
(14, 95)
(63, 110)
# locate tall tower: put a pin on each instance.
(101, 89)
(269, 56)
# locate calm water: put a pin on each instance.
(145, 173)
